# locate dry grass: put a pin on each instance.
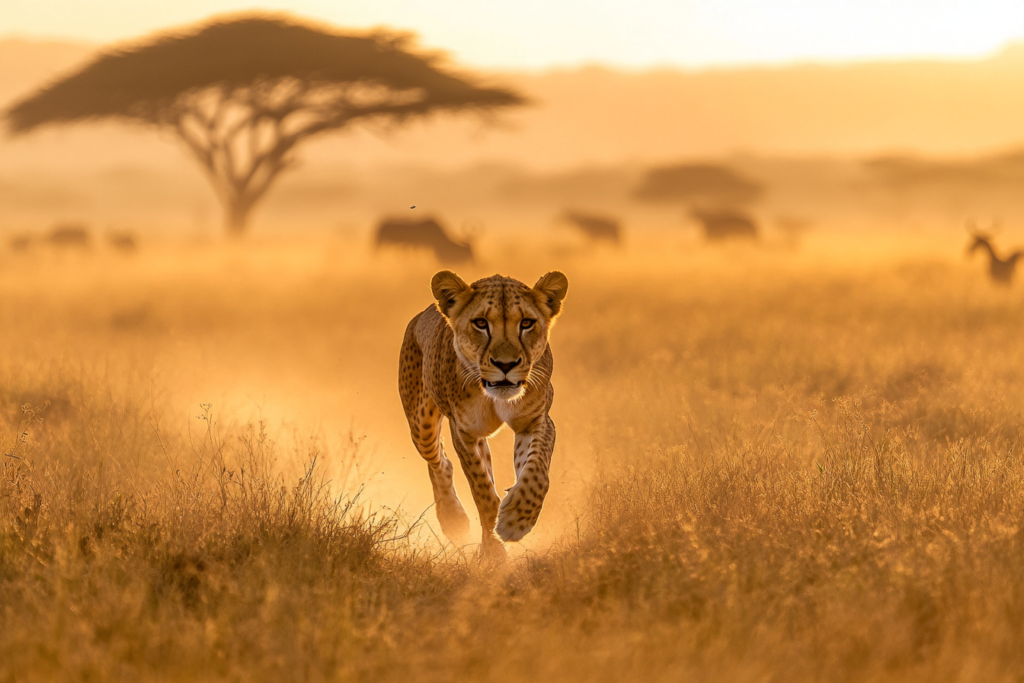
(770, 467)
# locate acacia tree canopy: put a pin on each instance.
(242, 93)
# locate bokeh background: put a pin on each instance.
(810, 99)
(789, 453)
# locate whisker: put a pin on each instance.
(468, 375)
(538, 375)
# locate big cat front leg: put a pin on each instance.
(520, 509)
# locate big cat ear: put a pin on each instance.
(551, 289)
(448, 288)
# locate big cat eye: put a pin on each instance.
(481, 323)
(527, 323)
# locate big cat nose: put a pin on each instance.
(505, 367)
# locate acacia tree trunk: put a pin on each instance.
(236, 215)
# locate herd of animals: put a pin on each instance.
(430, 235)
(73, 236)
(718, 226)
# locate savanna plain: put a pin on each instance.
(772, 465)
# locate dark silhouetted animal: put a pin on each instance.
(594, 227)
(122, 241)
(426, 233)
(68, 235)
(725, 225)
(1001, 270)
(21, 242)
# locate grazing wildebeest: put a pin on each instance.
(21, 242)
(1001, 270)
(68, 235)
(724, 225)
(593, 226)
(426, 233)
(122, 241)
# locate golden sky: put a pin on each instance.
(626, 33)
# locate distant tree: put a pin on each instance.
(243, 93)
(704, 185)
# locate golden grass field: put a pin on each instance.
(771, 466)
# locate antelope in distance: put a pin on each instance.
(1000, 270)
(725, 224)
(593, 226)
(426, 233)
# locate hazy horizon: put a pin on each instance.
(600, 115)
(1010, 45)
(571, 33)
(588, 135)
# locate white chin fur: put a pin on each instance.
(505, 393)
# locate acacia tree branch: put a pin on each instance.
(274, 161)
(259, 188)
(258, 100)
(243, 137)
(264, 167)
(203, 152)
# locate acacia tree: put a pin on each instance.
(243, 93)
